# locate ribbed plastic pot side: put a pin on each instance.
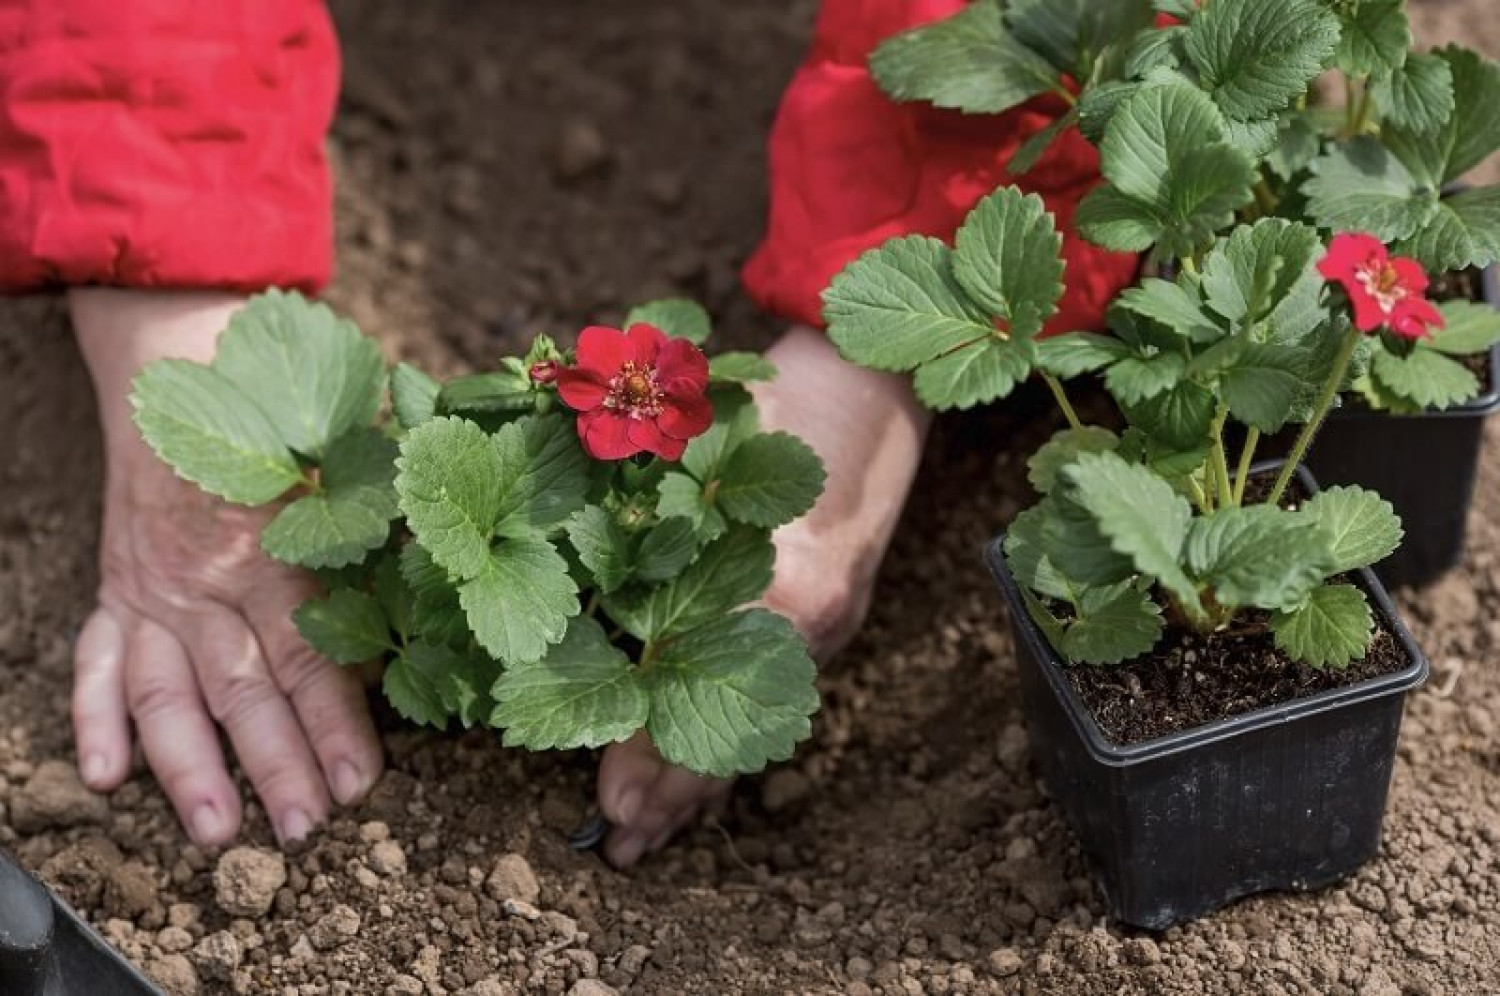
(1291, 796)
(1425, 465)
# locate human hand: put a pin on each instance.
(869, 430)
(193, 631)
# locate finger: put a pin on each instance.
(178, 736)
(668, 801)
(329, 700)
(269, 741)
(101, 719)
(625, 776)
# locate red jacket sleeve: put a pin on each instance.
(165, 143)
(850, 169)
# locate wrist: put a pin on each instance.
(121, 331)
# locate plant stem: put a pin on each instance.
(1189, 264)
(1351, 105)
(1061, 395)
(1362, 116)
(1320, 412)
(1062, 92)
(593, 605)
(1221, 461)
(1247, 456)
(1200, 497)
(1264, 197)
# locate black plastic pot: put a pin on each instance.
(1425, 465)
(1287, 797)
(47, 950)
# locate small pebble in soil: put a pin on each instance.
(246, 880)
(218, 955)
(512, 878)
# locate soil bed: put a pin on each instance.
(512, 167)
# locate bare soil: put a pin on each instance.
(506, 167)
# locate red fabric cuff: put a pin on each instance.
(850, 169)
(166, 143)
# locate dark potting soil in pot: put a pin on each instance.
(1191, 680)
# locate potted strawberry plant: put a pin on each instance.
(1214, 676)
(566, 548)
(1389, 161)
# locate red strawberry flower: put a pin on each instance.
(1385, 290)
(544, 371)
(636, 392)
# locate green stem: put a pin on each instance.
(1264, 197)
(1062, 92)
(1320, 412)
(1061, 395)
(1247, 456)
(1221, 460)
(1200, 497)
(1351, 105)
(1190, 265)
(593, 605)
(1362, 116)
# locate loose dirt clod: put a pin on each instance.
(246, 880)
(54, 796)
(512, 878)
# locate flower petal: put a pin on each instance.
(682, 367)
(1411, 274)
(606, 435)
(1350, 252)
(1368, 314)
(686, 416)
(1412, 318)
(645, 342)
(646, 435)
(603, 350)
(581, 390)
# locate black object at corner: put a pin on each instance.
(1291, 796)
(1424, 465)
(47, 950)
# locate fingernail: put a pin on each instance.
(628, 806)
(628, 850)
(295, 826)
(94, 769)
(348, 783)
(208, 825)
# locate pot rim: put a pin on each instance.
(1107, 752)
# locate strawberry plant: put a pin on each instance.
(1208, 115)
(1291, 246)
(568, 547)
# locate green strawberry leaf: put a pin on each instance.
(1180, 419)
(436, 614)
(506, 392)
(1362, 527)
(1333, 628)
(1251, 273)
(1472, 132)
(414, 395)
(1113, 624)
(974, 374)
(602, 546)
(312, 373)
(393, 593)
(351, 513)
(209, 431)
(677, 317)
(1076, 546)
(1077, 353)
(1072, 34)
(900, 305)
(1425, 378)
(1298, 143)
(1178, 306)
(583, 693)
(1266, 382)
(1472, 327)
(1025, 553)
(769, 480)
(1361, 187)
(682, 496)
(1007, 256)
(449, 477)
(462, 679)
(664, 551)
(1140, 515)
(1418, 97)
(519, 602)
(741, 368)
(732, 570)
(1463, 233)
(968, 62)
(1259, 556)
(347, 627)
(411, 684)
(1136, 379)
(546, 474)
(1374, 37)
(1255, 56)
(733, 695)
(1062, 449)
